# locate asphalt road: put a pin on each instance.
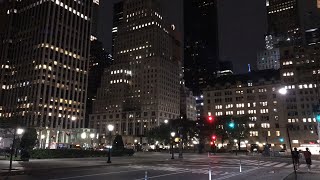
(161, 167)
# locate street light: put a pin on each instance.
(20, 131)
(166, 121)
(92, 136)
(173, 134)
(110, 128)
(83, 135)
(283, 91)
(17, 131)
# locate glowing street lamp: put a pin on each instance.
(166, 121)
(110, 128)
(173, 134)
(283, 91)
(20, 131)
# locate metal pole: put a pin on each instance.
(109, 154)
(146, 175)
(12, 148)
(172, 151)
(209, 173)
(294, 167)
(240, 166)
(180, 148)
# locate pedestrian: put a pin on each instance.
(296, 157)
(307, 156)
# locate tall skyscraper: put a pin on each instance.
(289, 21)
(95, 19)
(142, 87)
(48, 63)
(200, 42)
(99, 60)
(117, 20)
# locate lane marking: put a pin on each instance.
(89, 175)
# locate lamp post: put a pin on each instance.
(42, 140)
(17, 131)
(110, 128)
(283, 92)
(173, 134)
(92, 136)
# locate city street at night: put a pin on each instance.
(160, 166)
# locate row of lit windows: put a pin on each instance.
(241, 105)
(128, 72)
(241, 112)
(280, 10)
(135, 49)
(46, 45)
(307, 86)
(70, 9)
(119, 81)
(17, 85)
(288, 74)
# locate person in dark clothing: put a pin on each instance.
(296, 157)
(307, 156)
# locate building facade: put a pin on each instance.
(201, 52)
(254, 95)
(290, 20)
(99, 60)
(188, 108)
(300, 70)
(48, 64)
(269, 59)
(142, 87)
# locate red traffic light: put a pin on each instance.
(210, 118)
(211, 143)
(214, 137)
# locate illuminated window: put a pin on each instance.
(265, 125)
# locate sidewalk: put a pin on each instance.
(313, 175)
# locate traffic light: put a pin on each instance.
(213, 137)
(231, 124)
(211, 143)
(210, 118)
(281, 140)
(318, 117)
(316, 112)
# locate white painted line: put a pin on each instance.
(271, 164)
(89, 175)
(289, 166)
(236, 174)
(280, 165)
(162, 175)
(303, 165)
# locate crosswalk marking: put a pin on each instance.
(289, 166)
(281, 164)
(270, 164)
(303, 165)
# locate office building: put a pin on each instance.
(268, 59)
(289, 20)
(141, 89)
(187, 104)
(48, 61)
(99, 60)
(200, 43)
(117, 20)
(255, 96)
(300, 75)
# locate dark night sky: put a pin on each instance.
(242, 28)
